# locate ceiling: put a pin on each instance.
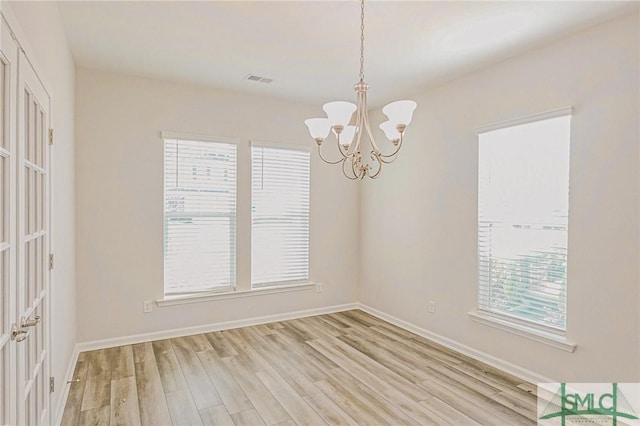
(311, 48)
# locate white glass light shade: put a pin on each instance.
(339, 112)
(346, 137)
(400, 112)
(318, 127)
(390, 130)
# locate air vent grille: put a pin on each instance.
(259, 79)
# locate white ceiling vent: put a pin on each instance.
(257, 78)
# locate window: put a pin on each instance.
(199, 216)
(279, 216)
(522, 221)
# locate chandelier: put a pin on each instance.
(339, 122)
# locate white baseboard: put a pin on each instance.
(498, 363)
(207, 328)
(62, 399)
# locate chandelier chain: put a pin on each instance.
(361, 40)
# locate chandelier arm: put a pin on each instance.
(344, 172)
(395, 152)
(388, 161)
(375, 156)
(355, 165)
(327, 161)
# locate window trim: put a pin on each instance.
(554, 113)
(280, 145)
(519, 326)
(526, 331)
(235, 294)
(197, 137)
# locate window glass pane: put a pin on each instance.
(523, 221)
(280, 216)
(200, 216)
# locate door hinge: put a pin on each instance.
(51, 258)
(50, 136)
(52, 384)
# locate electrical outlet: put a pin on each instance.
(432, 306)
(318, 288)
(147, 306)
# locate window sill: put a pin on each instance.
(205, 297)
(530, 333)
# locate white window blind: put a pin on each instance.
(280, 216)
(199, 216)
(522, 222)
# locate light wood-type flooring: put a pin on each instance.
(345, 368)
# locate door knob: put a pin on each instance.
(19, 334)
(30, 323)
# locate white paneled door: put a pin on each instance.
(24, 239)
(8, 282)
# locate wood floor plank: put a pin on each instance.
(198, 342)
(526, 409)
(477, 406)
(318, 329)
(350, 403)
(152, 402)
(413, 409)
(220, 344)
(96, 417)
(315, 363)
(451, 415)
(124, 402)
(202, 389)
(217, 416)
(415, 345)
(389, 359)
(97, 392)
(387, 375)
(170, 372)
(295, 405)
(444, 372)
(328, 410)
(283, 363)
(228, 388)
(98, 363)
(71, 414)
(335, 325)
(182, 408)
(248, 418)
(253, 359)
(263, 401)
(405, 354)
(342, 368)
(121, 362)
(376, 401)
(356, 370)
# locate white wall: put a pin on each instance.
(119, 184)
(419, 227)
(41, 26)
